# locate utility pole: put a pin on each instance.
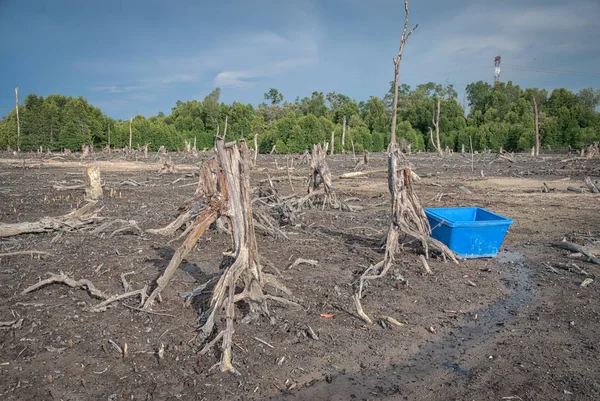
(18, 123)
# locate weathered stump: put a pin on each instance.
(93, 186)
(407, 217)
(225, 192)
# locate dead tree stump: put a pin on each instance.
(407, 217)
(225, 192)
(93, 186)
(362, 164)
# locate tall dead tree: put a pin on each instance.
(225, 192)
(436, 123)
(18, 123)
(332, 144)
(407, 217)
(397, 60)
(108, 144)
(344, 135)
(538, 142)
(130, 132)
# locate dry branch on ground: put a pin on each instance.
(77, 219)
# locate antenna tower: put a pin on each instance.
(496, 71)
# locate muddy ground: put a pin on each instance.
(524, 332)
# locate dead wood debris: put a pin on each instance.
(31, 253)
(86, 284)
(579, 249)
(300, 261)
(77, 219)
(408, 218)
(224, 192)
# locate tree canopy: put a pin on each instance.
(500, 116)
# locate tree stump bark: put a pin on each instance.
(93, 186)
(225, 192)
(407, 217)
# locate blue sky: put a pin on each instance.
(140, 57)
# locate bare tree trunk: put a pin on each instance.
(255, 149)
(344, 135)
(472, 158)
(408, 218)
(397, 60)
(108, 144)
(538, 142)
(18, 122)
(130, 131)
(332, 140)
(225, 128)
(436, 124)
(93, 185)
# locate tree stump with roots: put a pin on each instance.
(320, 174)
(224, 191)
(408, 218)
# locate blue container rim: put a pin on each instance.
(502, 221)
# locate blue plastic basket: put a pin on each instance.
(471, 232)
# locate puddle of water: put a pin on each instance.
(444, 352)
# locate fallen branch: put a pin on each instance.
(62, 278)
(577, 248)
(303, 261)
(32, 252)
(75, 220)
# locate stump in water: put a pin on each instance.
(225, 192)
(93, 186)
(408, 217)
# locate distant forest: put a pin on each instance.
(499, 116)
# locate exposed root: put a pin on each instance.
(64, 279)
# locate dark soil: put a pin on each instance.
(523, 331)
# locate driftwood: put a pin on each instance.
(227, 194)
(408, 218)
(75, 220)
(579, 249)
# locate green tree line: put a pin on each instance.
(500, 116)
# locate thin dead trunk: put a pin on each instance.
(130, 131)
(108, 144)
(225, 128)
(397, 61)
(538, 142)
(255, 149)
(332, 144)
(436, 124)
(18, 122)
(344, 135)
(408, 218)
